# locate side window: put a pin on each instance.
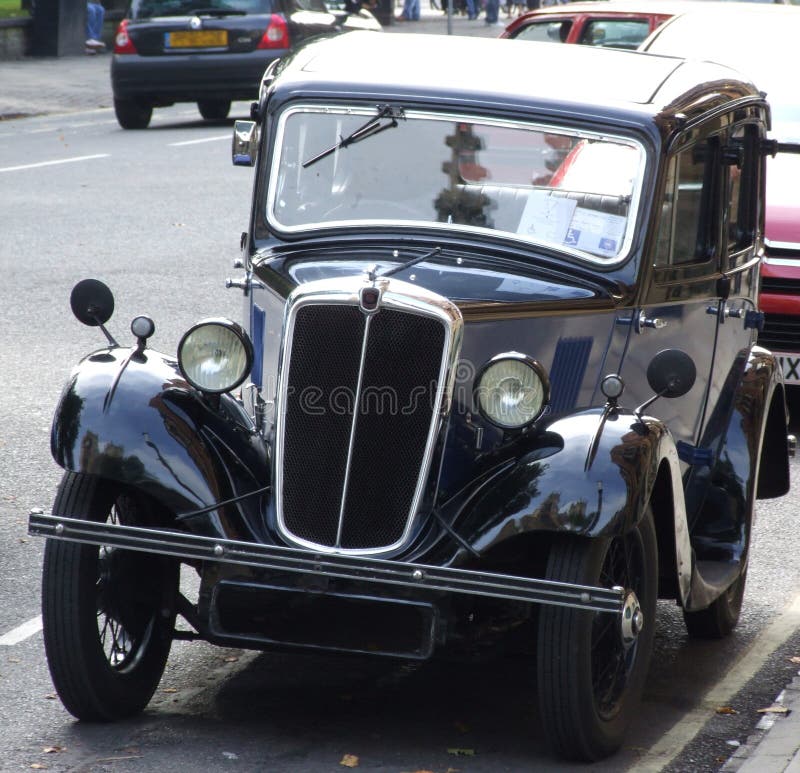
(611, 33)
(688, 227)
(545, 32)
(740, 159)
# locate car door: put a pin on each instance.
(700, 296)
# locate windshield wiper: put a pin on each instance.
(216, 11)
(372, 127)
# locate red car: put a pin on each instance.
(612, 24)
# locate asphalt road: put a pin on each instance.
(157, 216)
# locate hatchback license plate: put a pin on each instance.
(197, 39)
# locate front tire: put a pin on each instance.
(132, 113)
(214, 109)
(108, 614)
(590, 680)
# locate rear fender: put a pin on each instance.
(746, 446)
(131, 417)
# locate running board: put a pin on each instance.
(357, 568)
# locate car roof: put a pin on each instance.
(615, 7)
(734, 18)
(502, 74)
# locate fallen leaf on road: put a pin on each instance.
(462, 752)
(349, 761)
(170, 689)
(774, 710)
(51, 696)
(230, 659)
(726, 710)
(39, 766)
(795, 659)
(53, 749)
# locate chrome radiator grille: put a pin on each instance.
(360, 401)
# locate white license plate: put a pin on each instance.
(791, 367)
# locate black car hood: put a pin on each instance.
(469, 281)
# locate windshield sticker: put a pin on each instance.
(595, 232)
(545, 217)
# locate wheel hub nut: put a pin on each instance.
(632, 619)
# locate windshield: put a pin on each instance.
(337, 166)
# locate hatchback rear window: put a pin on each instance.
(152, 9)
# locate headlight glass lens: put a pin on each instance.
(512, 391)
(215, 356)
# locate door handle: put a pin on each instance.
(653, 322)
(641, 321)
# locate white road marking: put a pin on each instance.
(197, 142)
(21, 632)
(673, 742)
(53, 163)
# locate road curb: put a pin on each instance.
(775, 746)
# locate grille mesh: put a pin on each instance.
(323, 375)
(404, 355)
(781, 332)
(395, 410)
(779, 284)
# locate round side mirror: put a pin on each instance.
(671, 373)
(92, 302)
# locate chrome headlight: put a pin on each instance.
(512, 390)
(215, 355)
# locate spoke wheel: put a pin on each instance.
(108, 614)
(591, 667)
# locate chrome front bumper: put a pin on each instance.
(358, 568)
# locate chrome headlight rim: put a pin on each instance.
(538, 370)
(243, 339)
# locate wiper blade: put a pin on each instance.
(372, 127)
(217, 12)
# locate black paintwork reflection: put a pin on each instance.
(606, 489)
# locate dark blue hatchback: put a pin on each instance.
(210, 51)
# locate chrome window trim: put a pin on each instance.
(395, 294)
(430, 115)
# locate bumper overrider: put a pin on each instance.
(362, 569)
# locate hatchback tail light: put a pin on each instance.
(277, 33)
(122, 41)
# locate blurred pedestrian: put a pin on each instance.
(410, 11)
(493, 12)
(95, 14)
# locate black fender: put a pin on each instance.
(746, 456)
(590, 474)
(129, 416)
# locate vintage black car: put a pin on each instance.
(498, 372)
